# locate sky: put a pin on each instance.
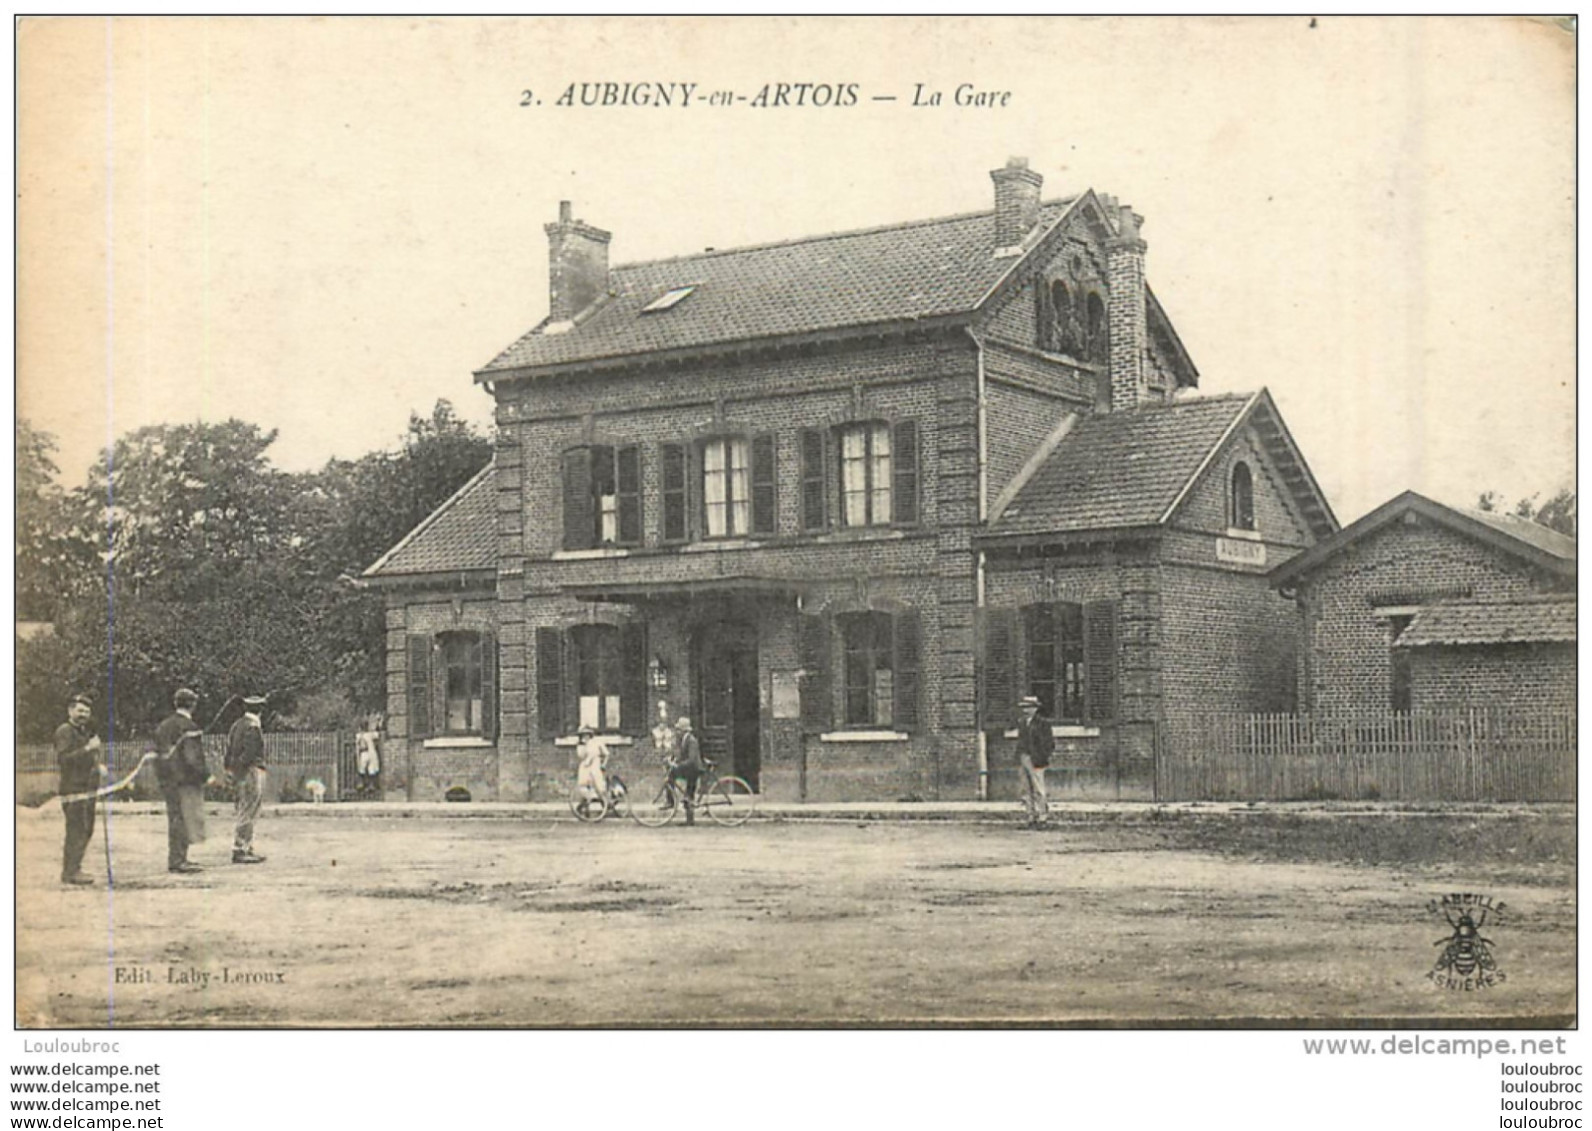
(322, 225)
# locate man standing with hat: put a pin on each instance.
(245, 762)
(1035, 745)
(180, 768)
(77, 753)
(687, 767)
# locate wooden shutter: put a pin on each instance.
(764, 485)
(1100, 660)
(814, 465)
(817, 704)
(671, 458)
(627, 475)
(549, 682)
(489, 685)
(580, 520)
(907, 659)
(999, 667)
(633, 677)
(419, 686)
(904, 469)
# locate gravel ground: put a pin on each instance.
(1181, 917)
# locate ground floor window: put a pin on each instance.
(591, 675)
(869, 669)
(1056, 665)
(452, 683)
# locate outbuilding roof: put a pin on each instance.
(1548, 620)
(1530, 542)
(459, 537)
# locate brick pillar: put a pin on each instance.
(1016, 201)
(1125, 313)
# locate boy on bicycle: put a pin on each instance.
(593, 755)
(686, 767)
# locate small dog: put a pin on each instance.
(316, 789)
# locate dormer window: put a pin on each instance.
(669, 299)
(1241, 499)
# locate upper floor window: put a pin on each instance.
(1098, 330)
(878, 474)
(1241, 506)
(602, 496)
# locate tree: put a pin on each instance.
(1558, 513)
(53, 561)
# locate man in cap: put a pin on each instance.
(245, 762)
(1035, 745)
(687, 766)
(180, 768)
(77, 754)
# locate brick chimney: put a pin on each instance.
(1125, 312)
(577, 262)
(1016, 201)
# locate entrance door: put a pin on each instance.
(727, 704)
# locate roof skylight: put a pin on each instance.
(668, 299)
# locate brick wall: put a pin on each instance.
(1347, 665)
(1538, 676)
(1230, 643)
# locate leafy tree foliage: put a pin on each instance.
(200, 564)
(1558, 513)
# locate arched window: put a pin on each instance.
(1068, 329)
(1241, 509)
(1099, 345)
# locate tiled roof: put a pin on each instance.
(1520, 538)
(1548, 620)
(925, 269)
(1119, 469)
(457, 537)
(1544, 538)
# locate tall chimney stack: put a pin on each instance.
(1016, 201)
(1125, 312)
(577, 264)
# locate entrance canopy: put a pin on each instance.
(695, 589)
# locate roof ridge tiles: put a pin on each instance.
(848, 233)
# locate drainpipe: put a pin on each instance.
(978, 575)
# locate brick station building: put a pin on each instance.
(842, 500)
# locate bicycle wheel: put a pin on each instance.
(730, 802)
(585, 808)
(618, 796)
(652, 803)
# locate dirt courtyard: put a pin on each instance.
(1178, 917)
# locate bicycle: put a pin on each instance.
(727, 800)
(594, 809)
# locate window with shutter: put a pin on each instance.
(419, 686)
(463, 683)
(633, 678)
(598, 668)
(627, 464)
(1100, 646)
(817, 711)
(580, 523)
(999, 668)
(672, 458)
(489, 685)
(906, 473)
(814, 486)
(870, 673)
(726, 488)
(1053, 642)
(764, 485)
(549, 682)
(908, 648)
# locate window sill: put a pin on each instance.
(864, 736)
(862, 534)
(1067, 730)
(606, 739)
(709, 545)
(459, 741)
(1247, 535)
(598, 554)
